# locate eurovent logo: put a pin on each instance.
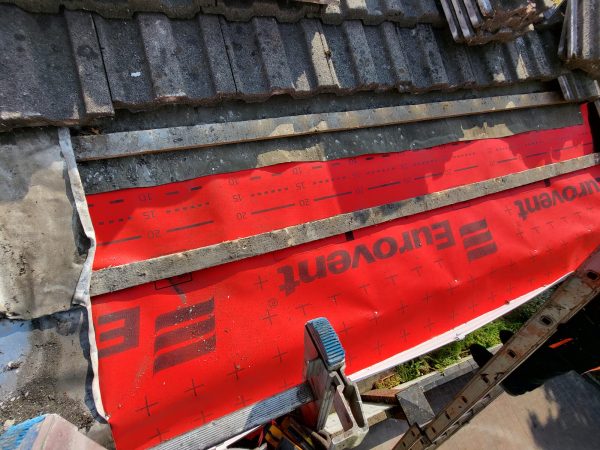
(187, 333)
(180, 335)
(477, 240)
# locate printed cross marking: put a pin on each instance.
(269, 317)
(280, 355)
(236, 370)
(417, 270)
(404, 335)
(260, 282)
(402, 307)
(194, 388)
(158, 435)
(375, 318)
(334, 297)
(146, 406)
(303, 308)
(473, 306)
(242, 401)
(203, 417)
(429, 324)
(392, 278)
(345, 329)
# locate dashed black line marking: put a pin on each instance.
(429, 175)
(192, 225)
(535, 154)
(500, 161)
(378, 186)
(118, 200)
(172, 193)
(318, 199)
(465, 168)
(195, 188)
(275, 208)
(118, 241)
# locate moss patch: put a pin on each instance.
(449, 354)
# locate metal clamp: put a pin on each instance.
(324, 362)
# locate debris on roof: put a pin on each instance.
(478, 22)
(579, 42)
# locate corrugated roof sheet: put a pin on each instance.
(371, 12)
(70, 67)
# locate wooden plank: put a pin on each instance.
(387, 396)
(120, 277)
(117, 145)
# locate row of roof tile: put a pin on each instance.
(371, 12)
(71, 67)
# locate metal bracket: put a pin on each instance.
(415, 405)
(324, 362)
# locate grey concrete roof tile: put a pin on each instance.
(341, 63)
(580, 37)
(243, 11)
(486, 63)
(371, 12)
(162, 52)
(434, 60)
(275, 61)
(387, 55)
(88, 61)
(44, 79)
(152, 60)
(116, 9)
(423, 58)
(396, 60)
(318, 54)
(244, 57)
(374, 12)
(212, 56)
(125, 60)
(455, 60)
(361, 54)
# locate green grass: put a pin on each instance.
(445, 356)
